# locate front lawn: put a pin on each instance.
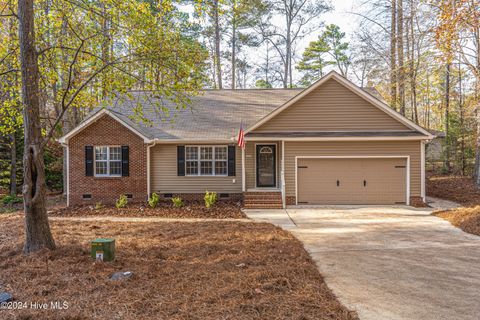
(201, 270)
(461, 190)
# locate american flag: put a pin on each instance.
(241, 137)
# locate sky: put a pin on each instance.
(342, 16)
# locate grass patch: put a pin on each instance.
(204, 270)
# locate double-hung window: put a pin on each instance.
(206, 161)
(108, 161)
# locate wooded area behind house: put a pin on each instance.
(60, 59)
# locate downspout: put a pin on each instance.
(422, 170)
(243, 170)
(148, 168)
(282, 176)
(67, 153)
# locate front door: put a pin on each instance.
(266, 170)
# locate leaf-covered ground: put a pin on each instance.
(201, 270)
(461, 190)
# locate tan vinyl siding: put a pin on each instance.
(250, 165)
(164, 177)
(332, 107)
(353, 148)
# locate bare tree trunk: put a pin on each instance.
(105, 48)
(37, 229)
(288, 52)
(234, 43)
(13, 165)
(413, 70)
(218, 63)
(401, 67)
(393, 57)
(462, 118)
(447, 117)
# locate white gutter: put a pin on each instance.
(149, 169)
(338, 138)
(282, 176)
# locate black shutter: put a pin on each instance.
(180, 160)
(125, 161)
(231, 160)
(88, 161)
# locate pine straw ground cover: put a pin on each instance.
(201, 270)
(221, 210)
(462, 190)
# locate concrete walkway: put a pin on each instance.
(389, 262)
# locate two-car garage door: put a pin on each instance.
(351, 180)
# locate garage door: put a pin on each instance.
(351, 181)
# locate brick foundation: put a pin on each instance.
(417, 202)
(263, 200)
(290, 200)
(107, 132)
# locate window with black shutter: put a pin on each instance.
(89, 161)
(231, 161)
(180, 160)
(125, 161)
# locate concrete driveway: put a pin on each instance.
(389, 262)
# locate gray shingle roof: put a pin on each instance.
(213, 115)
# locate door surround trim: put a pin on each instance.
(275, 164)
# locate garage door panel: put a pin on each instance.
(351, 181)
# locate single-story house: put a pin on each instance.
(331, 143)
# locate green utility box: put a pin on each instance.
(103, 249)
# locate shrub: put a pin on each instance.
(177, 202)
(99, 206)
(10, 200)
(121, 202)
(210, 199)
(153, 200)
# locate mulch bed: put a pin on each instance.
(462, 190)
(200, 270)
(221, 210)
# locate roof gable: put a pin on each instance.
(334, 104)
(94, 118)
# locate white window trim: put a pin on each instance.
(108, 175)
(213, 160)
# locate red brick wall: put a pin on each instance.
(107, 131)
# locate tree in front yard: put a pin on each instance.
(74, 54)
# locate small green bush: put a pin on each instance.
(121, 202)
(153, 200)
(99, 205)
(10, 200)
(210, 199)
(177, 202)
